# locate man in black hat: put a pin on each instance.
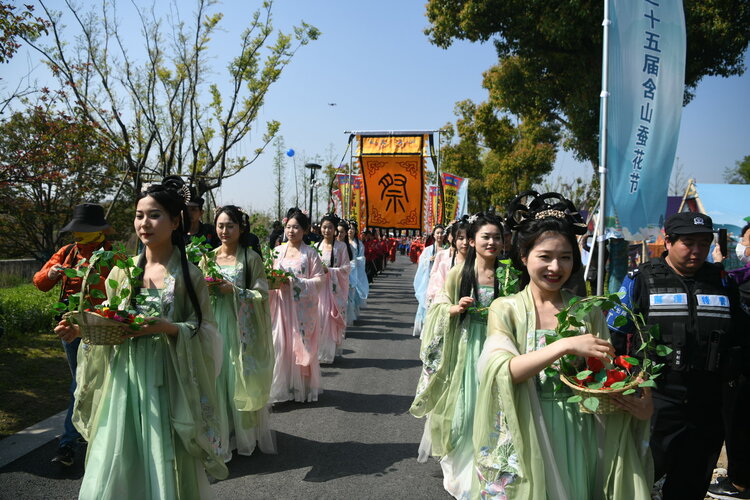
(88, 226)
(699, 318)
(197, 227)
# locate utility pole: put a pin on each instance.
(313, 167)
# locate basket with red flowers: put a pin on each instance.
(104, 324)
(594, 381)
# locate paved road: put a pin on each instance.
(357, 441)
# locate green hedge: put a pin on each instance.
(24, 309)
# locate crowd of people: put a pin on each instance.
(498, 418)
(166, 409)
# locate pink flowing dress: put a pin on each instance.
(333, 301)
(440, 267)
(296, 328)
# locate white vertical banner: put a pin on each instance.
(646, 71)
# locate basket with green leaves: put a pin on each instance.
(104, 324)
(594, 381)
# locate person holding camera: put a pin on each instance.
(699, 317)
(88, 226)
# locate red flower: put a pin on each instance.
(613, 376)
(594, 364)
(622, 362)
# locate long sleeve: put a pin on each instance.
(422, 276)
(435, 352)
(440, 269)
(41, 278)
(254, 367)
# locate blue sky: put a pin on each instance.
(375, 63)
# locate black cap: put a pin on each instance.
(87, 218)
(688, 223)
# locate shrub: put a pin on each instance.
(25, 310)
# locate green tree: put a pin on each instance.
(160, 108)
(500, 157)
(740, 174)
(279, 182)
(583, 194)
(549, 54)
(50, 162)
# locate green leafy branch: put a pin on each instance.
(508, 283)
(274, 276)
(508, 278)
(197, 251)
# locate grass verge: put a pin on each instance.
(34, 373)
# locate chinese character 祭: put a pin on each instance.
(394, 187)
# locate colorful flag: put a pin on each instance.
(358, 200)
(646, 74)
(338, 204)
(451, 188)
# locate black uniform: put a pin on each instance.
(698, 318)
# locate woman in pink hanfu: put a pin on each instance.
(335, 291)
(294, 314)
(445, 260)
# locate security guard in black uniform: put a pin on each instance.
(699, 317)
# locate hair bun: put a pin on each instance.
(530, 206)
(174, 182)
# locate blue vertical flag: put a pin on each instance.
(646, 83)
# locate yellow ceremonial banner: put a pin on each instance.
(391, 145)
(394, 186)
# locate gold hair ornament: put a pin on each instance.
(557, 214)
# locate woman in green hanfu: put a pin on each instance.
(451, 343)
(147, 407)
(240, 304)
(529, 443)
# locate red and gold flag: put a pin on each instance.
(393, 188)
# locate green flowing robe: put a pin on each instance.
(244, 384)
(447, 351)
(514, 452)
(148, 407)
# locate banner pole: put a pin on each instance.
(604, 96)
(349, 180)
(591, 247)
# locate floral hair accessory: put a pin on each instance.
(146, 187)
(284, 220)
(472, 219)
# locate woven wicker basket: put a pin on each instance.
(98, 330)
(606, 404)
